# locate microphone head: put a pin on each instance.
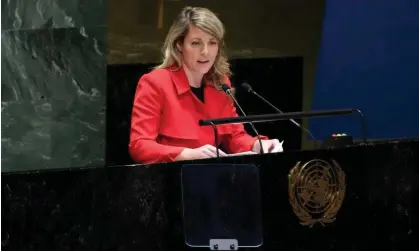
(246, 86)
(225, 87)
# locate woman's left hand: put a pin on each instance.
(269, 146)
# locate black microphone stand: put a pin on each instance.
(280, 116)
(250, 89)
(227, 89)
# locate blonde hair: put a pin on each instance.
(207, 21)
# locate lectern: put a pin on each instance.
(357, 197)
(221, 203)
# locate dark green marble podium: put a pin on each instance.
(140, 207)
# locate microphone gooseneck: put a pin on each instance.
(249, 88)
(227, 89)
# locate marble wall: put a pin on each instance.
(53, 83)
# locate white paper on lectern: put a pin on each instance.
(242, 153)
(277, 149)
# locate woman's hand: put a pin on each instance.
(203, 152)
(269, 146)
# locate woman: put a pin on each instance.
(186, 87)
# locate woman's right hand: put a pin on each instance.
(203, 152)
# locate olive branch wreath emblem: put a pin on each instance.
(299, 175)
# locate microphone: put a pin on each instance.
(227, 89)
(249, 88)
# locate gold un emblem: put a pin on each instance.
(316, 191)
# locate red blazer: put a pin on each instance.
(165, 118)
